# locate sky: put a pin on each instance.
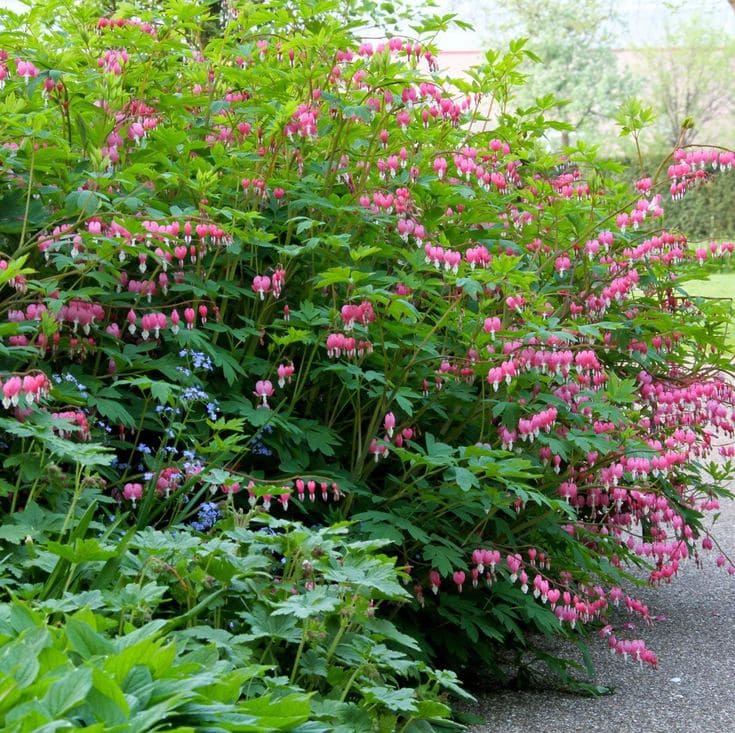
(643, 22)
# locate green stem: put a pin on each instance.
(14, 501)
(350, 682)
(343, 625)
(28, 197)
(77, 493)
(38, 478)
(299, 651)
(69, 576)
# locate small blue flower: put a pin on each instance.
(199, 360)
(258, 447)
(194, 393)
(207, 516)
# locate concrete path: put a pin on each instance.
(693, 689)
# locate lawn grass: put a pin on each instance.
(718, 285)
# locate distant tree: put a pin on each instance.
(575, 43)
(691, 81)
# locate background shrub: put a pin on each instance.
(277, 271)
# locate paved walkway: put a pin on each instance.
(693, 690)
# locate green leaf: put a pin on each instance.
(107, 699)
(311, 603)
(465, 479)
(113, 410)
(264, 624)
(621, 390)
(401, 700)
(449, 681)
(320, 438)
(374, 573)
(282, 713)
(68, 691)
(13, 532)
(85, 641)
(443, 555)
(161, 391)
(384, 628)
(81, 551)
(84, 201)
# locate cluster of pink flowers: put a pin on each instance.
(3, 68)
(169, 480)
(411, 228)
(642, 209)
(714, 249)
(394, 46)
(438, 256)
(228, 135)
(303, 122)
(380, 449)
(323, 488)
(634, 649)
(303, 488)
(105, 24)
(152, 322)
(136, 119)
(156, 322)
(257, 188)
(352, 313)
(77, 419)
(264, 284)
(165, 235)
(285, 373)
(690, 166)
(87, 315)
(32, 388)
(338, 344)
(389, 168)
(489, 170)
(113, 61)
(478, 255)
(138, 131)
(530, 428)
(76, 312)
(26, 70)
(699, 403)
(584, 606)
(506, 372)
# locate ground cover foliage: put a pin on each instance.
(320, 375)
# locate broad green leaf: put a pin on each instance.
(68, 691)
